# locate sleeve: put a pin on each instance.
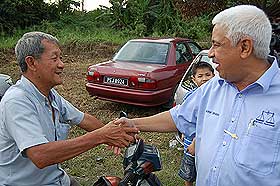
(68, 113)
(185, 115)
(23, 124)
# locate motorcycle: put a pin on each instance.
(140, 161)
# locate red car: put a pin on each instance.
(144, 72)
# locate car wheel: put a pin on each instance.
(171, 102)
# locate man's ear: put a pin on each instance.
(31, 63)
(246, 46)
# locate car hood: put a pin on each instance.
(119, 67)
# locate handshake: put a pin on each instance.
(119, 133)
(123, 131)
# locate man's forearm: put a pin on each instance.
(58, 151)
(90, 123)
(55, 152)
(161, 122)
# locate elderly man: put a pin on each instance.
(236, 117)
(35, 119)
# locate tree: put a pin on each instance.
(20, 14)
(270, 7)
(190, 8)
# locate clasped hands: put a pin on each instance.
(120, 133)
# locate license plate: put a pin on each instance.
(116, 81)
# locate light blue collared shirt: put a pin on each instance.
(25, 121)
(253, 114)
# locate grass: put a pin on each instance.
(70, 35)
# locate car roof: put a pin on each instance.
(161, 40)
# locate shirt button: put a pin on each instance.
(224, 143)
(232, 120)
(214, 168)
(240, 96)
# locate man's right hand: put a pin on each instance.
(117, 134)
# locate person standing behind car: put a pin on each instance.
(33, 117)
(201, 73)
(235, 116)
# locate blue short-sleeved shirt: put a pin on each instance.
(253, 114)
(26, 121)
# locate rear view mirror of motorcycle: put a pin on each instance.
(123, 114)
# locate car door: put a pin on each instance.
(184, 58)
(195, 48)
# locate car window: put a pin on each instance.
(187, 82)
(144, 52)
(205, 58)
(183, 54)
(195, 49)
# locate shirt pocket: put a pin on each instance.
(62, 131)
(258, 150)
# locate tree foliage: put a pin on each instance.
(190, 8)
(20, 14)
(143, 17)
(133, 17)
(270, 7)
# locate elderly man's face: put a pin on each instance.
(50, 65)
(224, 55)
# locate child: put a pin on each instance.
(202, 72)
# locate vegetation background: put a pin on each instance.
(91, 37)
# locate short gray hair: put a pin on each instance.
(246, 20)
(31, 45)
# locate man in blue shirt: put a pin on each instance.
(236, 117)
(34, 120)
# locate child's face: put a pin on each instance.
(202, 75)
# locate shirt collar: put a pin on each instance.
(265, 80)
(32, 89)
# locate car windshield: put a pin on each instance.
(143, 52)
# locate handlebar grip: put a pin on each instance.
(128, 177)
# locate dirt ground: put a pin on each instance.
(89, 166)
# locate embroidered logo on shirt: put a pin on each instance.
(266, 118)
(212, 112)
